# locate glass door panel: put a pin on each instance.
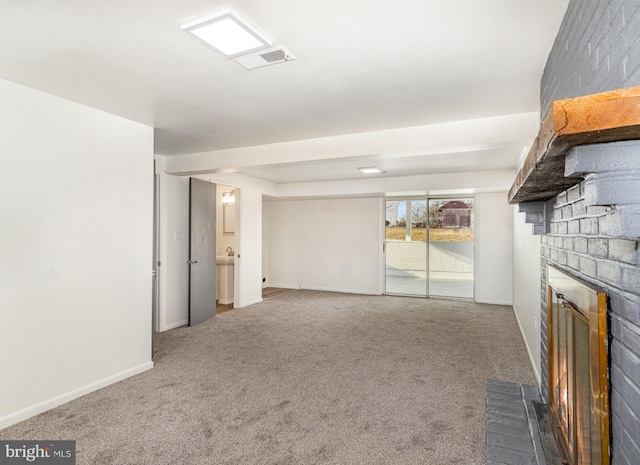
(451, 242)
(406, 247)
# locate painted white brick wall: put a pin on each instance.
(598, 49)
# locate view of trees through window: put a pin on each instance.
(449, 220)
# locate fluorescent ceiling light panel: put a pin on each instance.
(371, 170)
(228, 35)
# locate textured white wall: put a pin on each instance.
(330, 244)
(334, 244)
(248, 269)
(526, 286)
(174, 252)
(493, 249)
(76, 243)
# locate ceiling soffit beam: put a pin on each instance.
(439, 138)
(473, 182)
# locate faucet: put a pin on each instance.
(229, 252)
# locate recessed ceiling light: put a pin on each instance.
(227, 34)
(371, 170)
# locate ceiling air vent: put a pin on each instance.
(267, 57)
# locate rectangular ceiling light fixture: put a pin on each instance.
(371, 170)
(227, 34)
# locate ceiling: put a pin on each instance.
(361, 66)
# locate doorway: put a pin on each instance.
(406, 247)
(226, 247)
(429, 247)
(451, 247)
(173, 267)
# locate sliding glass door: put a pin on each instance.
(429, 247)
(406, 247)
(451, 244)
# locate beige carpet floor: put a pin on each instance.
(305, 377)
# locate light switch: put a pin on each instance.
(176, 235)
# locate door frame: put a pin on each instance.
(155, 256)
(383, 237)
(173, 202)
(383, 278)
(459, 197)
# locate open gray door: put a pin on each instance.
(202, 252)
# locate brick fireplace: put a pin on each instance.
(584, 201)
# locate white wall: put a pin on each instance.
(526, 287)
(493, 249)
(314, 243)
(75, 246)
(330, 244)
(173, 272)
(248, 270)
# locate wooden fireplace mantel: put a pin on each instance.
(598, 118)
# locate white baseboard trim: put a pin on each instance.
(285, 286)
(343, 291)
(56, 401)
(173, 325)
(495, 302)
(536, 369)
(247, 303)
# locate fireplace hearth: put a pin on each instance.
(578, 369)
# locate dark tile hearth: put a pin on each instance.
(512, 433)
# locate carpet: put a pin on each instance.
(305, 377)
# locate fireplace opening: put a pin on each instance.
(578, 369)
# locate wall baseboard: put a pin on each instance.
(247, 303)
(495, 302)
(343, 291)
(536, 370)
(173, 325)
(21, 415)
(285, 286)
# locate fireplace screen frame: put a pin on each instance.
(582, 306)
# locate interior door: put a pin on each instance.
(202, 251)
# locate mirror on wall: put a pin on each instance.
(228, 212)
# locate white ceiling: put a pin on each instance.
(361, 66)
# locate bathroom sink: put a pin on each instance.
(224, 260)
